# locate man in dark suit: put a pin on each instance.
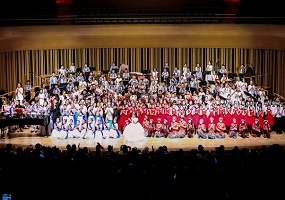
(116, 111)
(55, 109)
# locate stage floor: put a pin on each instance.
(172, 144)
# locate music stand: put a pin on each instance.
(92, 69)
(76, 84)
(193, 72)
(78, 70)
(203, 82)
(116, 70)
(207, 72)
(146, 71)
(211, 82)
(232, 75)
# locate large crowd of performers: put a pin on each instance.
(176, 105)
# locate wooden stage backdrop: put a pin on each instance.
(172, 144)
(27, 52)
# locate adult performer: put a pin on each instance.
(134, 131)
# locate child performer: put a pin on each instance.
(255, 131)
(221, 129)
(202, 131)
(233, 129)
(243, 129)
(266, 131)
(211, 129)
(158, 129)
(190, 130)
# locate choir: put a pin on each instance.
(171, 106)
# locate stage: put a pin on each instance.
(172, 144)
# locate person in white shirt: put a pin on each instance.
(165, 76)
(154, 75)
(209, 69)
(72, 68)
(241, 71)
(82, 84)
(62, 70)
(114, 67)
(250, 87)
(223, 69)
(198, 67)
(19, 93)
(118, 80)
(184, 70)
(109, 114)
(278, 119)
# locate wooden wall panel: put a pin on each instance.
(36, 50)
(143, 36)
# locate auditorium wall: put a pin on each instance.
(29, 52)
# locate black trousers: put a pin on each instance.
(28, 96)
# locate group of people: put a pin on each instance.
(117, 104)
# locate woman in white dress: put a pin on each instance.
(19, 93)
(57, 128)
(82, 127)
(98, 130)
(106, 130)
(90, 130)
(114, 132)
(134, 131)
(41, 97)
(63, 134)
(72, 130)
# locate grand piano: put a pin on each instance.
(11, 121)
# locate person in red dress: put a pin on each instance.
(205, 114)
(151, 128)
(174, 112)
(200, 114)
(174, 129)
(266, 130)
(251, 118)
(165, 128)
(152, 112)
(182, 127)
(269, 116)
(124, 115)
(260, 114)
(196, 116)
(256, 129)
(145, 125)
(212, 112)
(190, 130)
(188, 114)
(158, 129)
(228, 116)
(141, 113)
(160, 112)
(180, 112)
(243, 129)
(236, 113)
(220, 113)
